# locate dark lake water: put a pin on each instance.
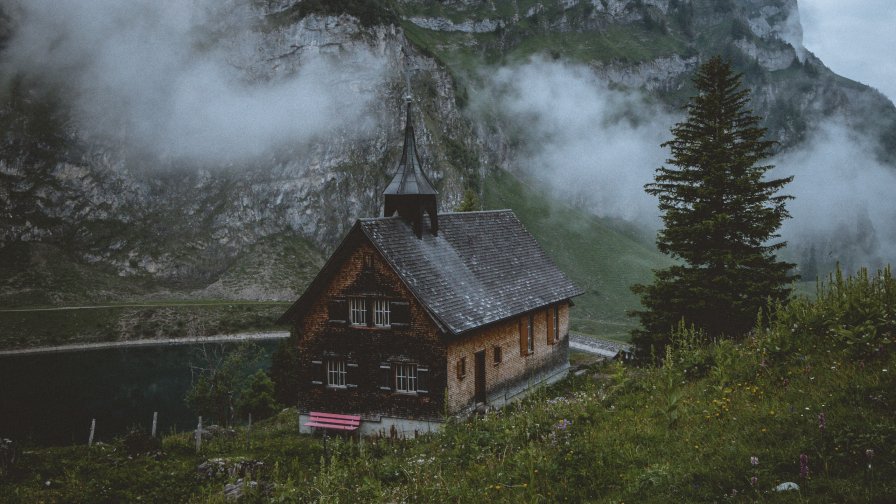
(50, 399)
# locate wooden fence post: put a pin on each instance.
(92, 429)
(155, 420)
(249, 432)
(199, 436)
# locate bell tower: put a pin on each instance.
(410, 194)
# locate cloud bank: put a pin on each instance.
(183, 80)
(585, 141)
(596, 147)
(844, 205)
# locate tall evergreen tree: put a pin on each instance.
(721, 214)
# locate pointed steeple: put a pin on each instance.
(410, 193)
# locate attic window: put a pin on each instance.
(357, 310)
(381, 312)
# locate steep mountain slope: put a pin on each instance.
(184, 223)
(655, 45)
(118, 218)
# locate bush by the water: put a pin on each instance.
(809, 400)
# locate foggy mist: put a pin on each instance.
(601, 146)
(190, 81)
(183, 80)
(582, 139)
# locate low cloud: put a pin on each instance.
(582, 139)
(597, 147)
(186, 81)
(843, 205)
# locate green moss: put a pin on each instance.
(368, 12)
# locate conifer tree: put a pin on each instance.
(720, 214)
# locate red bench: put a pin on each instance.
(333, 421)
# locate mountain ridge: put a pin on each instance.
(180, 226)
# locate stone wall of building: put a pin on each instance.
(516, 371)
(367, 349)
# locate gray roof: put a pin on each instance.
(409, 177)
(482, 267)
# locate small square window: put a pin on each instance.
(357, 308)
(496, 355)
(405, 378)
(381, 313)
(336, 372)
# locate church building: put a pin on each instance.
(420, 314)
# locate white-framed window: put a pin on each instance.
(381, 313)
(357, 310)
(336, 372)
(405, 377)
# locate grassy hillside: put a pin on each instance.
(602, 260)
(809, 400)
(35, 276)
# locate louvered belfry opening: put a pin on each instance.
(410, 194)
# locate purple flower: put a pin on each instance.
(754, 481)
(869, 454)
(754, 461)
(562, 424)
(821, 421)
(804, 465)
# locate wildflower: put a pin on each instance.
(562, 424)
(869, 454)
(821, 422)
(754, 481)
(754, 461)
(804, 465)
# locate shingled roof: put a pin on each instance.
(482, 267)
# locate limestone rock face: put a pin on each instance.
(184, 221)
(187, 224)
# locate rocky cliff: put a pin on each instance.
(178, 223)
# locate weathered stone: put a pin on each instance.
(787, 486)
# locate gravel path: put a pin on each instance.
(220, 338)
(597, 346)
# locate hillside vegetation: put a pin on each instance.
(603, 259)
(808, 400)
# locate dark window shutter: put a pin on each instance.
(524, 336)
(530, 334)
(368, 306)
(352, 373)
(556, 310)
(385, 376)
(401, 313)
(318, 373)
(338, 311)
(422, 380)
(549, 320)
